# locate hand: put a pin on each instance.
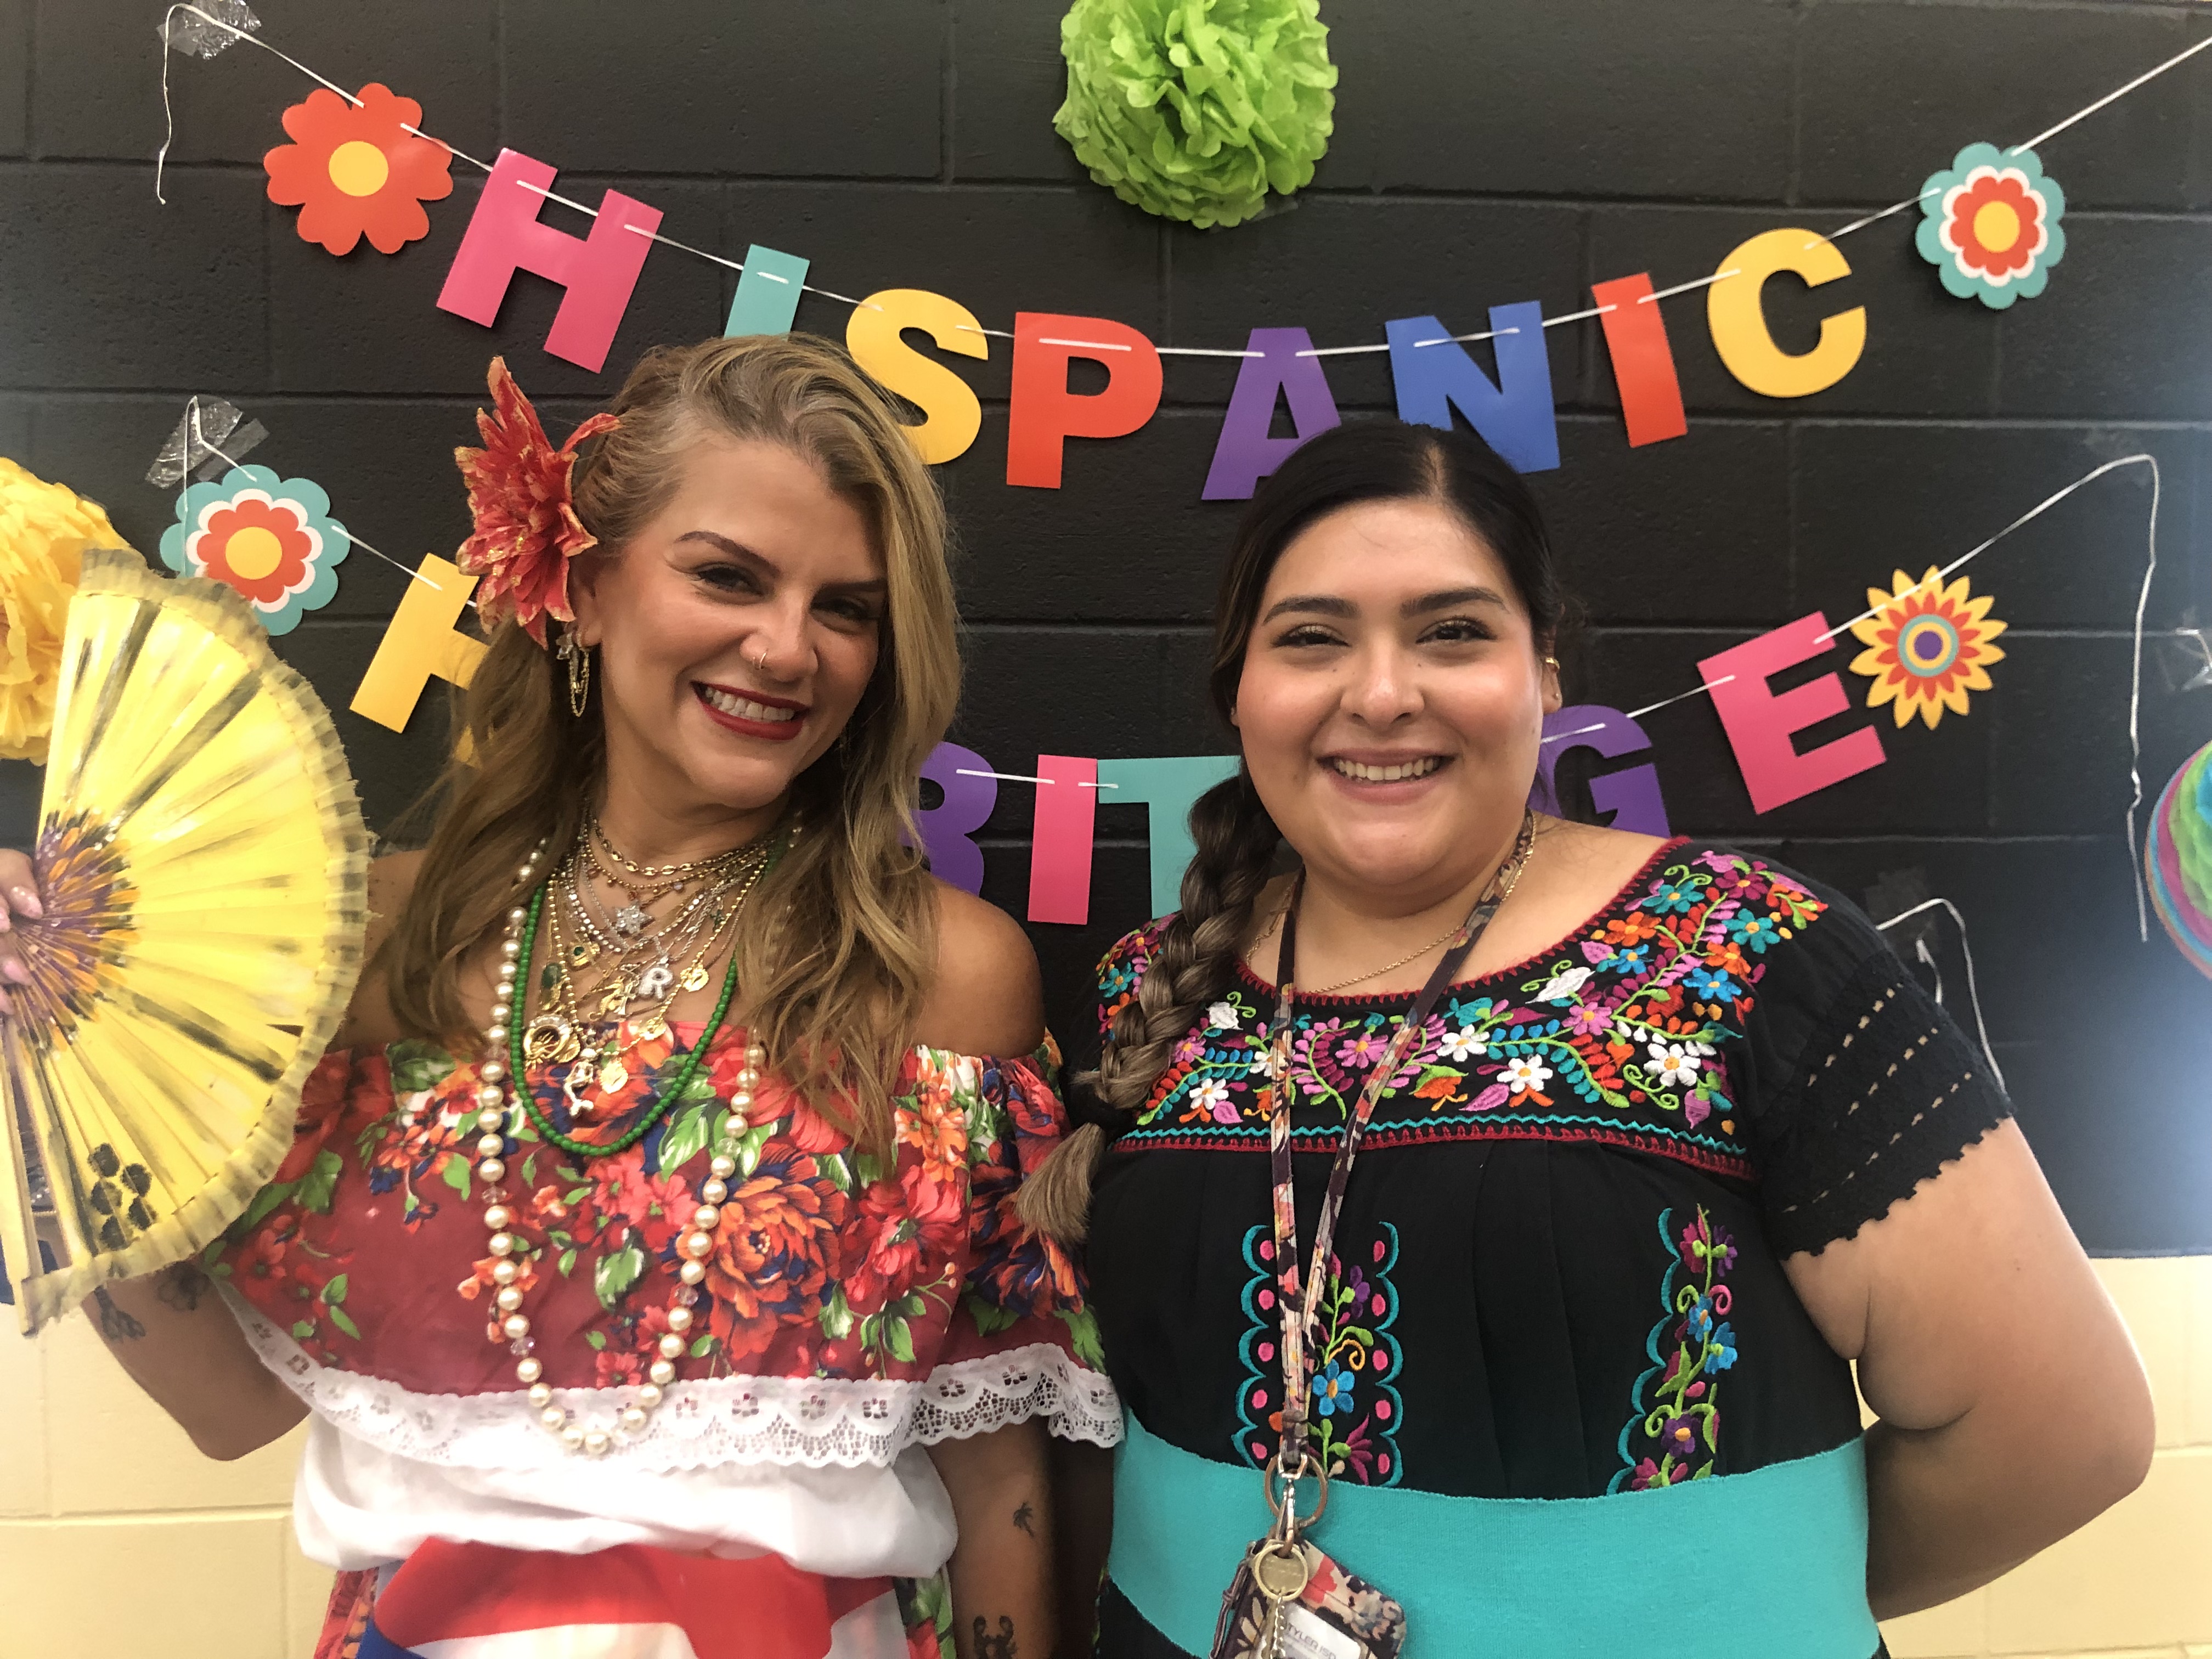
(19, 896)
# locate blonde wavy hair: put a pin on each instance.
(839, 945)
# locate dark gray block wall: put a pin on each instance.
(1484, 155)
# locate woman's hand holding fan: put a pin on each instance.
(181, 943)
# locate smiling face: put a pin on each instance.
(1392, 699)
(737, 630)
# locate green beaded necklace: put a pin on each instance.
(669, 1096)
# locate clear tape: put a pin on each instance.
(206, 423)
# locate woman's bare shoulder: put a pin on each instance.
(987, 996)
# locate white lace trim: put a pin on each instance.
(793, 1421)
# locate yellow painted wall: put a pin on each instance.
(111, 1523)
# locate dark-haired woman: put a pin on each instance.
(1658, 1139)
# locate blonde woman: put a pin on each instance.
(646, 1260)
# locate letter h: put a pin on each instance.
(599, 272)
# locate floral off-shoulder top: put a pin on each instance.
(856, 1306)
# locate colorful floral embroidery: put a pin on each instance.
(1621, 1034)
(1353, 1425)
(1679, 1431)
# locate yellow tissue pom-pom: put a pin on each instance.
(44, 531)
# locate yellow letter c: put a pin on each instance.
(1738, 321)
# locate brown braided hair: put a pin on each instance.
(1195, 959)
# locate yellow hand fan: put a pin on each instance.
(203, 865)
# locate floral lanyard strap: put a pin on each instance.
(1301, 1303)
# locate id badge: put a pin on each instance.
(1333, 1614)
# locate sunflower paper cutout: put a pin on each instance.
(354, 170)
(1989, 225)
(270, 538)
(1927, 646)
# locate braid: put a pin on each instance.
(1197, 956)
(1190, 967)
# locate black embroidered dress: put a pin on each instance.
(1572, 1403)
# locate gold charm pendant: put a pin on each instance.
(549, 1040)
(613, 1074)
(695, 977)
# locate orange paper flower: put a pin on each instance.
(526, 529)
(1927, 646)
(355, 171)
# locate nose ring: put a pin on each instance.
(759, 662)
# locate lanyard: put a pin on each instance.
(1299, 1302)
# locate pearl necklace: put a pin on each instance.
(502, 1113)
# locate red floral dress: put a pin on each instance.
(858, 1307)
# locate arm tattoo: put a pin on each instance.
(115, 1325)
(182, 1285)
(1001, 1646)
(1025, 1517)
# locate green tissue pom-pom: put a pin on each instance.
(1195, 109)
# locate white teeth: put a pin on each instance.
(1363, 774)
(744, 708)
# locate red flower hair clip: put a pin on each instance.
(526, 528)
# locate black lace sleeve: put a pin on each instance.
(1865, 1086)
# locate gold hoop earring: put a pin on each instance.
(579, 657)
(1552, 663)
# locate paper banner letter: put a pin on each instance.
(599, 272)
(1760, 724)
(1043, 412)
(1642, 365)
(768, 293)
(1244, 454)
(947, 829)
(1631, 794)
(1738, 319)
(1170, 786)
(420, 641)
(1060, 839)
(1435, 375)
(950, 414)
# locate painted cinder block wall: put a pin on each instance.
(1484, 155)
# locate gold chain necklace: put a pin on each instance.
(1508, 876)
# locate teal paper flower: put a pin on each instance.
(1989, 225)
(272, 539)
(1195, 109)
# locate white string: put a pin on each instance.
(1341, 351)
(168, 115)
(1204, 352)
(1680, 697)
(1003, 777)
(482, 166)
(1973, 991)
(2135, 713)
(1684, 287)
(1082, 345)
(1872, 218)
(1450, 339)
(995, 333)
(1578, 316)
(200, 438)
(2110, 97)
(842, 299)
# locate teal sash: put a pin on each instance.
(1771, 1565)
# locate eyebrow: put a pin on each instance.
(1329, 604)
(739, 551)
